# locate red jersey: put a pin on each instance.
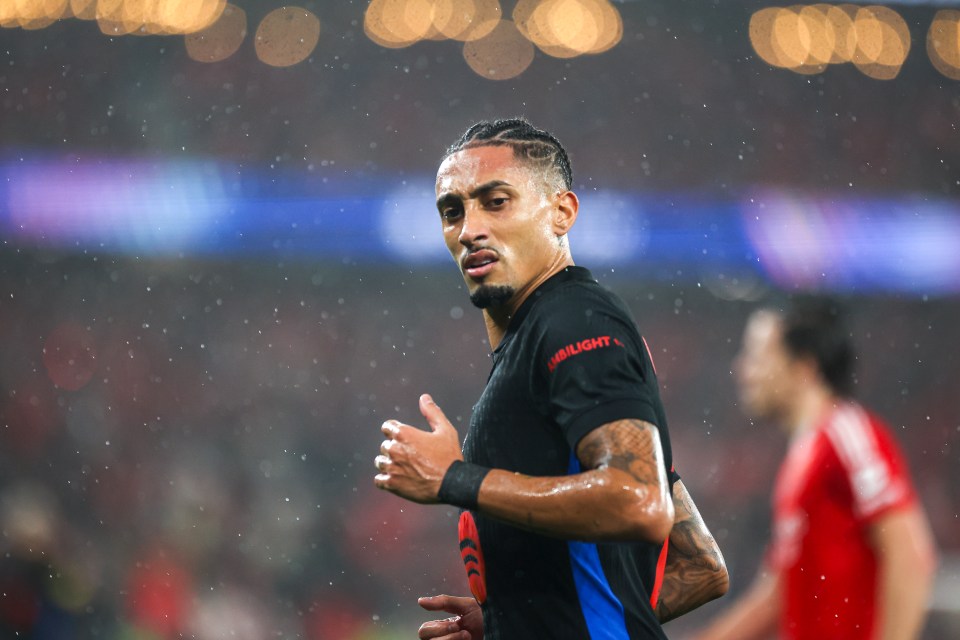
(836, 479)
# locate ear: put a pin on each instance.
(809, 370)
(566, 212)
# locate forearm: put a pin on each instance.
(695, 572)
(907, 562)
(600, 504)
(902, 607)
(622, 494)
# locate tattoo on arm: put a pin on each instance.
(695, 572)
(625, 445)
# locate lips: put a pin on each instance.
(479, 263)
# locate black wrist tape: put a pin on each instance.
(461, 484)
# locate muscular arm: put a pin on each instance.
(906, 562)
(622, 494)
(695, 571)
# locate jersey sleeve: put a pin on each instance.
(596, 370)
(873, 467)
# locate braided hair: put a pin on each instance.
(529, 144)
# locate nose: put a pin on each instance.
(474, 228)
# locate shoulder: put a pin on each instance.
(579, 303)
(585, 317)
(859, 437)
(869, 454)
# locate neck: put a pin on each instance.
(810, 405)
(497, 320)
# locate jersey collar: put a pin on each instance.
(560, 278)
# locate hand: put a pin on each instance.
(467, 623)
(412, 462)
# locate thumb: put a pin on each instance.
(432, 603)
(445, 603)
(433, 413)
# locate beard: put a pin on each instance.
(488, 296)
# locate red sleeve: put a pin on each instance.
(873, 465)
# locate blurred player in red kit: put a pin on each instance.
(851, 555)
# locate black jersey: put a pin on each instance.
(572, 360)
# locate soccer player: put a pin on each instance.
(574, 524)
(851, 555)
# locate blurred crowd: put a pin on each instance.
(187, 446)
(681, 103)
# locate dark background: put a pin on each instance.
(187, 431)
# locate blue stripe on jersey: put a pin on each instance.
(601, 609)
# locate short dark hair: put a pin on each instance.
(816, 326)
(529, 143)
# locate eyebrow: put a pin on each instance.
(448, 197)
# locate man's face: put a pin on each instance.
(497, 218)
(766, 373)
